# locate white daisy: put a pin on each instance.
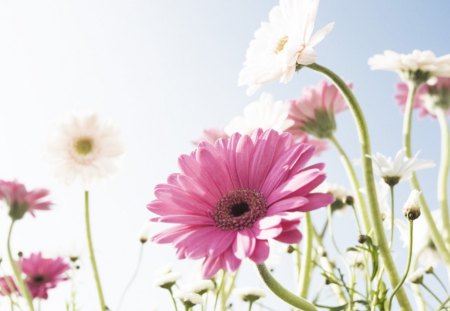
(418, 66)
(423, 247)
(145, 231)
(398, 169)
(250, 294)
(281, 44)
(86, 147)
(167, 280)
(264, 113)
(417, 276)
(189, 299)
(199, 287)
(411, 209)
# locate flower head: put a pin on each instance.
(282, 44)
(265, 113)
(20, 200)
(231, 197)
(428, 97)
(87, 148)
(200, 287)
(166, 278)
(250, 294)
(43, 274)
(417, 276)
(411, 210)
(189, 299)
(211, 136)
(314, 112)
(341, 196)
(418, 67)
(398, 169)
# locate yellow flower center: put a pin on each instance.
(84, 146)
(281, 44)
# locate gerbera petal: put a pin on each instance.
(244, 244)
(290, 237)
(261, 252)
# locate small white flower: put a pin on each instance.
(421, 65)
(411, 209)
(398, 169)
(281, 44)
(423, 246)
(167, 280)
(199, 287)
(417, 276)
(143, 237)
(249, 293)
(87, 148)
(189, 298)
(264, 113)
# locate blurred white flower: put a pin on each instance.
(166, 278)
(189, 299)
(423, 246)
(341, 195)
(398, 169)
(145, 231)
(383, 202)
(249, 293)
(417, 276)
(265, 113)
(86, 147)
(418, 66)
(411, 209)
(199, 287)
(281, 44)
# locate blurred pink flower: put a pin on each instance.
(210, 135)
(232, 197)
(7, 285)
(320, 145)
(21, 201)
(43, 274)
(427, 98)
(314, 112)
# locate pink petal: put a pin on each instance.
(290, 237)
(261, 251)
(244, 244)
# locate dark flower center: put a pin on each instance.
(239, 209)
(38, 278)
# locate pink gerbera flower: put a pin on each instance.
(20, 200)
(231, 197)
(43, 274)
(314, 112)
(428, 97)
(7, 285)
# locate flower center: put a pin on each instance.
(84, 146)
(281, 44)
(38, 279)
(239, 209)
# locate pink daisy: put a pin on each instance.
(231, 197)
(427, 98)
(43, 274)
(20, 200)
(314, 112)
(210, 135)
(7, 285)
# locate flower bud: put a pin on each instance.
(411, 209)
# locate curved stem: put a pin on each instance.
(282, 292)
(420, 301)
(392, 215)
(443, 171)
(374, 208)
(91, 253)
(431, 293)
(360, 202)
(408, 265)
(17, 274)
(306, 264)
(173, 299)
(443, 304)
(436, 236)
(133, 277)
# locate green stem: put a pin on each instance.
(420, 301)
(408, 265)
(282, 292)
(443, 171)
(374, 209)
(436, 236)
(227, 292)
(392, 215)
(306, 264)
(333, 240)
(219, 290)
(431, 293)
(133, 277)
(173, 299)
(360, 202)
(17, 275)
(440, 282)
(443, 304)
(250, 304)
(91, 253)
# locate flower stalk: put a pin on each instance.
(17, 274)
(369, 181)
(306, 263)
(407, 122)
(282, 292)
(92, 254)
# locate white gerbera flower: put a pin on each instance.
(419, 66)
(250, 294)
(423, 247)
(264, 113)
(398, 169)
(281, 44)
(87, 148)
